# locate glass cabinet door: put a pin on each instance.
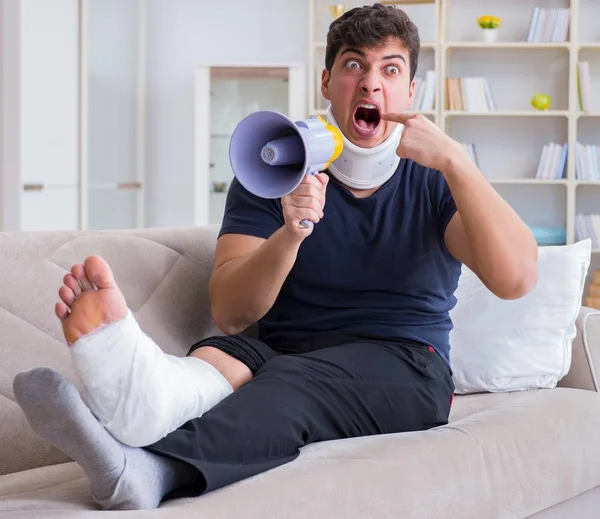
(224, 96)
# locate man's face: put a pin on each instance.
(365, 83)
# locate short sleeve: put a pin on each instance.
(246, 213)
(442, 200)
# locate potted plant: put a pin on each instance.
(490, 26)
(337, 10)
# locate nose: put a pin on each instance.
(370, 82)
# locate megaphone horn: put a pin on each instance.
(270, 154)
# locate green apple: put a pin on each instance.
(541, 101)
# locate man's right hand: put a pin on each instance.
(306, 202)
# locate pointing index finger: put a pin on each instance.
(397, 118)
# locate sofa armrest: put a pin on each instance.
(164, 274)
(585, 363)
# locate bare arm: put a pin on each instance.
(249, 271)
(487, 235)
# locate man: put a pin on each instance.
(353, 312)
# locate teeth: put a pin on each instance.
(366, 105)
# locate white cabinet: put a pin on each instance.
(225, 94)
(40, 107)
(72, 114)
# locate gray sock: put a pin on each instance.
(121, 477)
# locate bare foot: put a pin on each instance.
(90, 298)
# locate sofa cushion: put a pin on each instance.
(509, 345)
(163, 273)
(502, 455)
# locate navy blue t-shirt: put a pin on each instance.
(373, 267)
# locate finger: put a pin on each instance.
(398, 118)
(307, 203)
(323, 179)
(305, 214)
(311, 180)
(308, 190)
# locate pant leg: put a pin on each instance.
(356, 389)
(252, 352)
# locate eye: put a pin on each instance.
(392, 69)
(352, 64)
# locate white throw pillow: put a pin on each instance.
(511, 345)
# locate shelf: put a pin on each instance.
(425, 45)
(505, 45)
(509, 181)
(508, 113)
(590, 45)
(408, 2)
(587, 182)
(430, 113)
(588, 114)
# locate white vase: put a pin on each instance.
(490, 35)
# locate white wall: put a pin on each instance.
(182, 34)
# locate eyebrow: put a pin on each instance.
(362, 54)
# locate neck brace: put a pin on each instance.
(365, 168)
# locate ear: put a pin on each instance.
(325, 84)
(411, 92)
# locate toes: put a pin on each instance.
(72, 283)
(62, 311)
(67, 296)
(78, 272)
(99, 273)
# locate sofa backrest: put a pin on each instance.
(164, 274)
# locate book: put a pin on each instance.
(588, 226)
(549, 25)
(471, 94)
(424, 95)
(587, 161)
(552, 162)
(584, 87)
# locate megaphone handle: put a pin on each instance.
(307, 224)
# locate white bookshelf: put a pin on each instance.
(509, 140)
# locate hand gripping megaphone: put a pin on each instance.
(270, 154)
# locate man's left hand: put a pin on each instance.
(424, 142)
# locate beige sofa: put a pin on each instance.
(530, 454)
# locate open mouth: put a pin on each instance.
(367, 118)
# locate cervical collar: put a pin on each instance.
(365, 168)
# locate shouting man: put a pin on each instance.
(353, 312)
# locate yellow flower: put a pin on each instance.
(489, 22)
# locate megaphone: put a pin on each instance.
(270, 154)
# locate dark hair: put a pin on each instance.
(370, 26)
